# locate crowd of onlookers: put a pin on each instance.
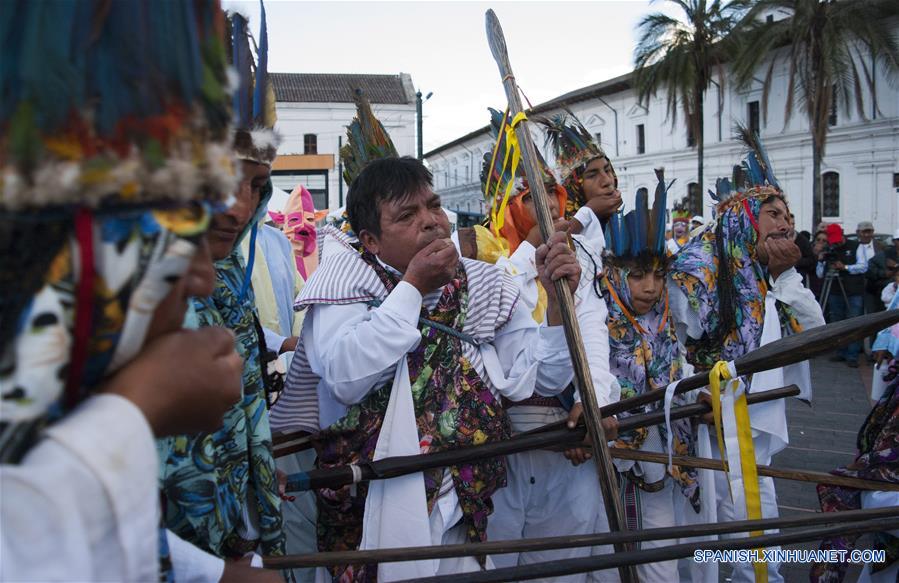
(850, 276)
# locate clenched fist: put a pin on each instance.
(433, 267)
(556, 261)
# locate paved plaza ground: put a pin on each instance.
(822, 437)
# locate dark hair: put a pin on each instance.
(384, 180)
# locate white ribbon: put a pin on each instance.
(669, 395)
(731, 391)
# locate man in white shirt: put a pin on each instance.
(849, 262)
(408, 349)
(727, 307)
(102, 242)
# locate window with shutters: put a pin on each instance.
(310, 144)
(830, 192)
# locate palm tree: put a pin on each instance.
(681, 56)
(828, 46)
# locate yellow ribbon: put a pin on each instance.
(720, 372)
(511, 158)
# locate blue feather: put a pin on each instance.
(261, 72)
(659, 205)
(632, 229)
(241, 59)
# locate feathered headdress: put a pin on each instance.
(754, 178)
(366, 140)
(570, 141)
(78, 127)
(574, 148)
(254, 101)
(639, 236)
(502, 177)
(680, 213)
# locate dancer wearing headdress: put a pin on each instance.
(733, 289)
(115, 153)
(407, 349)
(546, 494)
(226, 500)
(586, 173)
(680, 227)
(646, 356)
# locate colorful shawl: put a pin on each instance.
(453, 408)
(643, 356)
(206, 479)
(877, 459)
(729, 297)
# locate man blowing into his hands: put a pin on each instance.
(406, 349)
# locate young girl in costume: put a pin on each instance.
(645, 356)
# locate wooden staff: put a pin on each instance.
(573, 541)
(605, 471)
(783, 352)
(599, 563)
(783, 473)
(293, 445)
(393, 467)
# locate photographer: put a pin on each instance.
(882, 270)
(847, 261)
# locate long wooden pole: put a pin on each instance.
(789, 350)
(612, 561)
(394, 467)
(783, 473)
(783, 352)
(605, 471)
(573, 541)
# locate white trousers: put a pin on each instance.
(743, 572)
(657, 511)
(547, 496)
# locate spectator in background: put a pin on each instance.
(882, 269)
(819, 249)
(696, 222)
(808, 260)
(849, 261)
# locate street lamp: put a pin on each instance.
(418, 102)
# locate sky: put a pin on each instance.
(554, 47)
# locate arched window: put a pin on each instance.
(694, 199)
(830, 191)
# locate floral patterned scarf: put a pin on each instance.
(453, 408)
(737, 289)
(644, 356)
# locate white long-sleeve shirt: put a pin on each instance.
(767, 417)
(590, 309)
(83, 504)
(355, 349)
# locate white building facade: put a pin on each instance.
(860, 169)
(313, 111)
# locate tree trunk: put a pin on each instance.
(817, 198)
(700, 142)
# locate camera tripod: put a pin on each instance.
(829, 277)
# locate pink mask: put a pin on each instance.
(299, 226)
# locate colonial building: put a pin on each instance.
(860, 170)
(313, 112)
